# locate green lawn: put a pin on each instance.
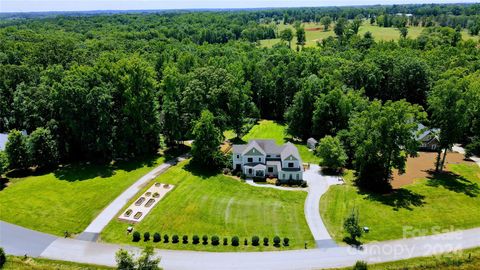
(15, 263)
(69, 198)
(379, 33)
(463, 259)
(267, 129)
(218, 205)
(447, 202)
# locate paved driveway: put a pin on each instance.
(104, 254)
(317, 185)
(19, 241)
(96, 226)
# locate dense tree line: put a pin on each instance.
(118, 86)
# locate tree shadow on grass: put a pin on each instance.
(453, 182)
(201, 171)
(353, 242)
(398, 199)
(3, 183)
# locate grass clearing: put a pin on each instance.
(450, 201)
(463, 259)
(15, 263)
(379, 33)
(218, 205)
(69, 198)
(267, 129)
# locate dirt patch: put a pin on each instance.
(313, 29)
(420, 166)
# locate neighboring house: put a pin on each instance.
(312, 143)
(428, 138)
(264, 158)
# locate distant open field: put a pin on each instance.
(314, 32)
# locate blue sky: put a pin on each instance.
(81, 5)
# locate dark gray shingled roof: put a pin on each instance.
(290, 150)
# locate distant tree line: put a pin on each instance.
(119, 86)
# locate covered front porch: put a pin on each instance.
(257, 170)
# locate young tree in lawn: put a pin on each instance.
(332, 153)
(300, 33)
(207, 138)
(383, 136)
(42, 148)
(146, 261)
(403, 32)
(326, 21)
(356, 23)
(287, 35)
(447, 106)
(124, 260)
(351, 226)
(16, 149)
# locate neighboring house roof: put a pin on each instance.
(3, 140)
(425, 134)
(290, 150)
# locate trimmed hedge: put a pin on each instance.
(195, 239)
(215, 240)
(185, 239)
(255, 241)
(235, 241)
(136, 236)
(276, 241)
(165, 238)
(156, 237)
(265, 241)
(225, 241)
(146, 236)
(286, 241)
(175, 239)
(205, 240)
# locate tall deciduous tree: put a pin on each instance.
(332, 153)
(326, 21)
(16, 149)
(340, 27)
(170, 120)
(383, 137)
(207, 138)
(447, 106)
(300, 33)
(287, 35)
(42, 148)
(3, 162)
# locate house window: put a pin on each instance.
(259, 159)
(249, 171)
(268, 155)
(250, 159)
(238, 156)
(270, 169)
(283, 176)
(298, 177)
(290, 164)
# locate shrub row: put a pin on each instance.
(214, 240)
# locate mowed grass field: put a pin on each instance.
(379, 33)
(460, 260)
(218, 205)
(449, 201)
(17, 262)
(69, 198)
(267, 129)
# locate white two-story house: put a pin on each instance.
(264, 158)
